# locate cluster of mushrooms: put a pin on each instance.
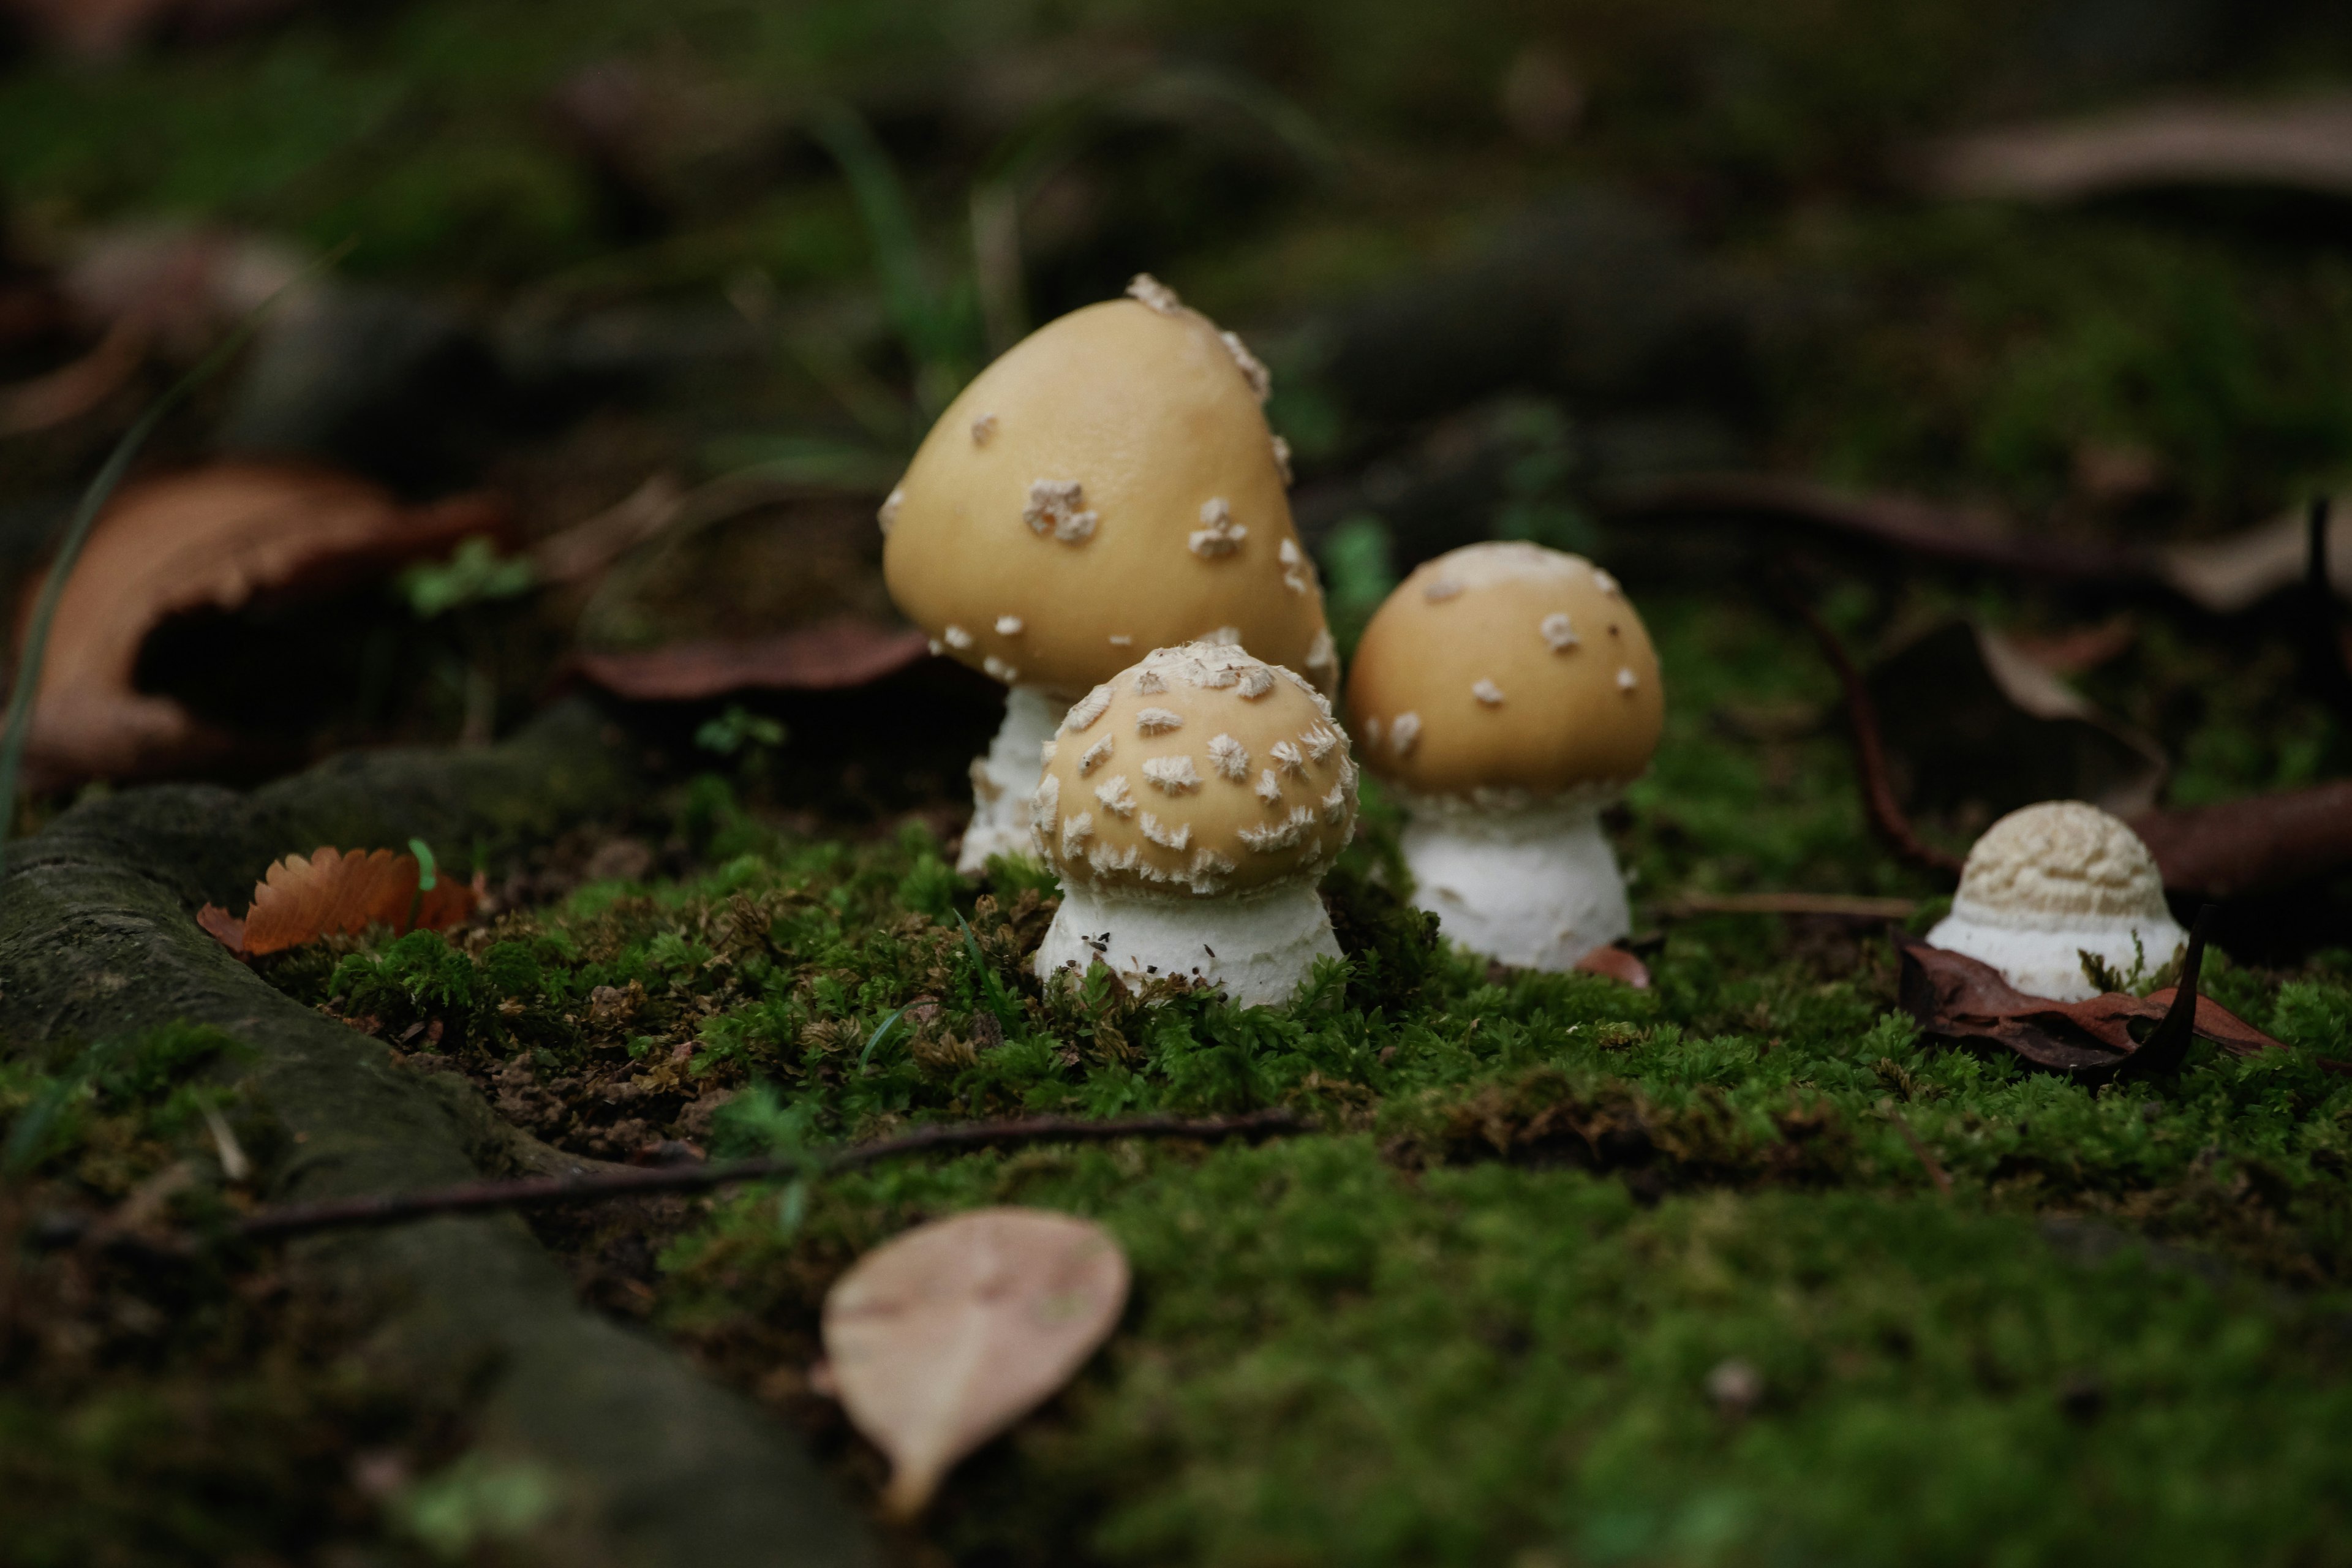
(1101, 522)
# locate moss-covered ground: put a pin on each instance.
(1565, 1273)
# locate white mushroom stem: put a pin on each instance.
(1003, 781)
(1534, 885)
(1259, 947)
(2047, 960)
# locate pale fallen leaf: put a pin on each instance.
(210, 538)
(2238, 570)
(946, 1336)
(2304, 145)
(300, 900)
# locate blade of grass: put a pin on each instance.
(93, 502)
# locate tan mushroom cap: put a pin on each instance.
(1107, 487)
(1199, 772)
(1506, 666)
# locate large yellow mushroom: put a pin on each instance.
(1109, 487)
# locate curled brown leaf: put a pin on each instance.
(211, 538)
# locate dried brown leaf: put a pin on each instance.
(846, 651)
(2257, 845)
(1617, 964)
(72, 390)
(946, 1336)
(330, 893)
(1961, 999)
(215, 537)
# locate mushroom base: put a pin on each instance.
(1536, 888)
(1259, 947)
(2047, 961)
(1003, 781)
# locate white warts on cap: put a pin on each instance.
(1489, 693)
(1602, 580)
(1086, 710)
(1287, 835)
(1008, 625)
(1056, 507)
(1230, 757)
(1558, 632)
(999, 670)
(938, 648)
(1335, 804)
(1437, 590)
(1322, 653)
(1114, 795)
(1046, 804)
(1319, 741)
(983, 428)
(1175, 775)
(1048, 751)
(888, 514)
(1144, 287)
(956, 637)
(1404, 733)
(1219, 533)
(1157, 720)
(1371, 731)
(1256, 682)
(1253, 369)
(1627, 680)
(1120, 639)
(1224, 636)
(1075, 830)
(1149, 683)
(1269, 788)
(1297, 575)
(1293, 761)
(1166, 838)
(1094, 756)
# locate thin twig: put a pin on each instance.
(1849, 905)
(1878, 800)
(281, 1221)
(1935, 1173)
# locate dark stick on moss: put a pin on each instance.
(2167, 1046)
(1886, 814)
(285, 1220)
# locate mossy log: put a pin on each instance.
(653, 1463)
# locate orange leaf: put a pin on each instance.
(335, 893)
(1617, 964)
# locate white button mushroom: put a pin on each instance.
(2049, 883)
(1506, 736)
(1205, 873)
(1102, 488)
